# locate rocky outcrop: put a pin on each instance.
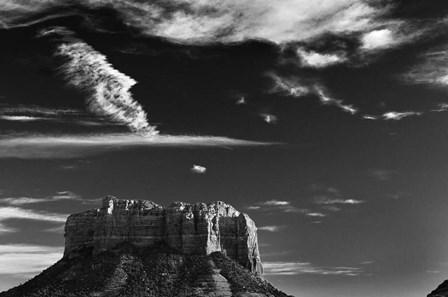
(441, 291)
(190, 229)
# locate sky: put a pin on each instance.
(325, 121)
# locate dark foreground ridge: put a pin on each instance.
(138, 248)
(441, 291)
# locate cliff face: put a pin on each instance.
(190, 229)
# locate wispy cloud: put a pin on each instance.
(20, 113)
(432, 68)
(72, 146)
(283, 206)
(27, 260)
(295, 268)
(393, 115)
(108, 89)
(328, 201)
(16, 213)
(10, 212)
(297, 87)
(60, 196)
(272, 228)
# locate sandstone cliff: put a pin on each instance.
(190, 229)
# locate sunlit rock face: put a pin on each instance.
(191, 229)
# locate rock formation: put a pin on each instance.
(133, 248)
(441, 291)
(190, 229)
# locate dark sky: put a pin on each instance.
(325, 122)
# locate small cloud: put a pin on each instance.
(367, 262)
(317, 60)
(241, 100)
(378, 39)
(274, 228)
(275, 203)
(296, 268)
(198, 169)
(269, 118)
(315, 214)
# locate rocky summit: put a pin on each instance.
(138, 248)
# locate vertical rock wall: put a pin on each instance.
(188, 228)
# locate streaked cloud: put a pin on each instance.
(10, 212)
(393, 115)
(272, 228)
(297, 87)
(282, 206)
(26, 259)
(20, 113)
(16, 213)
(108, 89)
(72, 146)
(328, 201)
(431, 69)
(60, 196)
(295, 268)
(275, 203)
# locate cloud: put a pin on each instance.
(269, 118)
(295, 268)
(10, 212)
(16, 213)
(393, 115)
(60, 196)
(275, 203)
(27, 260)
(273, 228)
(317, 60)
(198, 169)
(73, 146)
(38, 111)
(296, 87)
(378, 39)
(432, 68)
(193, 21)
(107, 88)
(22, 113)
(283, 206)
(328, 201)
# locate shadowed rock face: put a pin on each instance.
(190, 229)
(441, 291)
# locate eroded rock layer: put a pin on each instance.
(190, 229)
